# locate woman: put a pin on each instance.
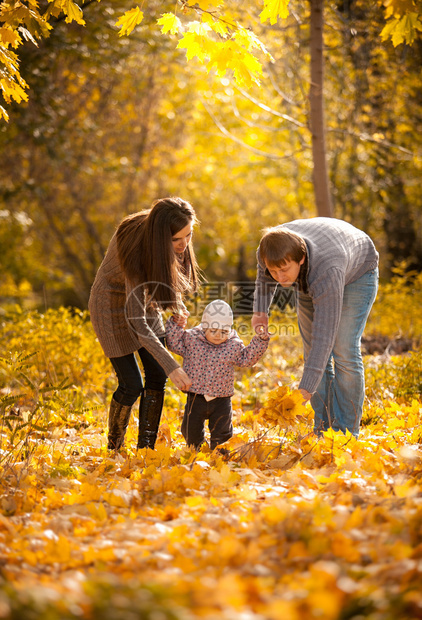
(334, 267)
(149, 265)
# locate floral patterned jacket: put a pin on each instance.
(210, 366)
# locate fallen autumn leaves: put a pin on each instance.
(287, 526)
(339, 530)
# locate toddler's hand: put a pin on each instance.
(262, 333)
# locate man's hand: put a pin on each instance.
(306, 396)
(260, 323)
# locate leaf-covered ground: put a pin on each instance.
(284, 527)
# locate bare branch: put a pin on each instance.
(258, 152)
(266, 108)
(279, 92)
(366, 137)
(250, 123)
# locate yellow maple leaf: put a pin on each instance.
(282, 406)
(58, 550)
(219, 27)
(275, 513)
(297, 550)
(397, 7)
(402, 29)
(356, 519)
(246, 70)
(407, 489)
(8, 36)
(248, 40)
(170, 23)
(225, 478)
(30, 557)
(12, 90)
(117, 498)
(343, 546)
(97, 511)
(277, 608)
(93, 555)
(229, 548)
(273, 9)
(395, 423)
(73, 12)
(129, 21)
(4, 114)
(195, 501)
(89, 492)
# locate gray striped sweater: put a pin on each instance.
(338, 254)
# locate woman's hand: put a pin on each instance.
(306, 396)
(180, 379)
(260, 323)
(180, 317)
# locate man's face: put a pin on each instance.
(287, 273)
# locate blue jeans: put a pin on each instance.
(338, 401)
(130, 379)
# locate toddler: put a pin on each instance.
(210, 352)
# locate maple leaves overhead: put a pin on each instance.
(403, 21)
(216, 38)
(25, 22)
(234, 47)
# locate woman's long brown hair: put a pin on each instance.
(146, 254)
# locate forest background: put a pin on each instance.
(113, 122)
(285, 526)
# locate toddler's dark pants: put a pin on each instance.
(218, 412)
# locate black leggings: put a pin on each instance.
(130, 378)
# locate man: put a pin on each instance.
(334, 269)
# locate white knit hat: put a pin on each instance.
(217, 315)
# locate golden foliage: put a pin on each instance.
(22, 23)
(396, 312)
(283, 406)
(273, 10)
(403, 21)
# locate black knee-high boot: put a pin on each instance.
(118, 419)
(150, 410)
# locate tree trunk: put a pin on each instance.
(317, 123)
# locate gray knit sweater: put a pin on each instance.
(338, 254)
(121, 318)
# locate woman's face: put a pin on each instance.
(181, 239)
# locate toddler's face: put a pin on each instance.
(216, 336)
